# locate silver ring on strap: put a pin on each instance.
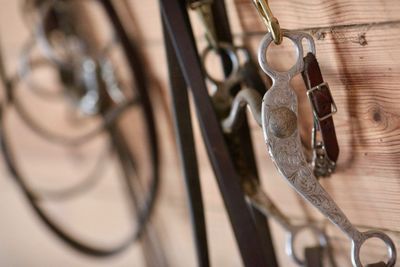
(291, 238)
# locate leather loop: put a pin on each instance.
(322, 102)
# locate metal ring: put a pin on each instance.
(42, 40)
(290, 250)
(231, 52)
(109, 118)
(357, 244)
(296, 38)
(245, 52)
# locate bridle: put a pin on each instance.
(108, 125)
(279, 123)
(231, 119)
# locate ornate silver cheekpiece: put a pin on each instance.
(279, 123)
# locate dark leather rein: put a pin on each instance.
(125, 157)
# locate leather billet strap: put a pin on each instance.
(239, 142)
(187, 150)
(245, 230)
(326, 152)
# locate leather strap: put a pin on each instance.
(31, 196)
(314, 256)
(379, 264)
(239, 142)
(176, 19)
(137, 70)
(187, 151)
(322, 104)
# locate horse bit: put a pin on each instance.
(278, 119)
(229, 109)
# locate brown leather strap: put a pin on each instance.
(322, 103)
(379, 264)
(244, 227)
(240, 143)
(314, 256)
(187, 149)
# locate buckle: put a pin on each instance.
(320, 87)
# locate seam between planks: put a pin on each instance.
(383, 24)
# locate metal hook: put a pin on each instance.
(203, 9)
(270, 21)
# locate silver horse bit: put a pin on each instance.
(279, 123)
(247, 96)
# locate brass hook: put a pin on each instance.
(270, 21)
(204, 11)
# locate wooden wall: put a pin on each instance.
(357, 47)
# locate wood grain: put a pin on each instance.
(362, 79)
(357, 47)
(317, 14)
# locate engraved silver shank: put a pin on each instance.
(284, 145)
